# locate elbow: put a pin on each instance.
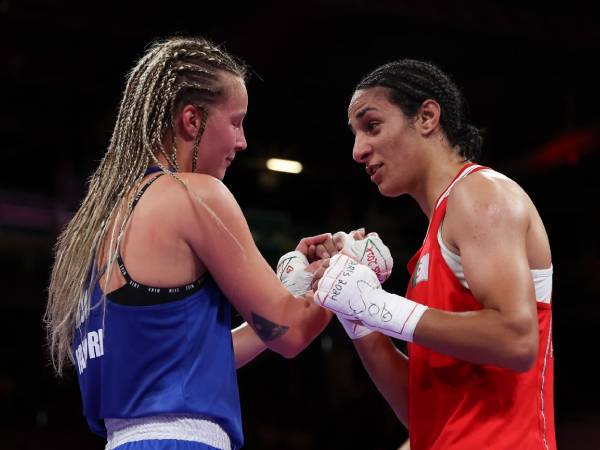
(295, 346)
(523, 354)
(522, 362)
(520, 343)
(290, 353)
(288, 350)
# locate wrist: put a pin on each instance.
(292, 274)
(354, 329)
(293, 257)
(391, 314)
(370, 251)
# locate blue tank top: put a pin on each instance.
(174, 356)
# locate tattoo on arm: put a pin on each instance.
(266, 329)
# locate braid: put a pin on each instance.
(172, 73)
(411, 82)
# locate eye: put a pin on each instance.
(237, 121)
(372, 126)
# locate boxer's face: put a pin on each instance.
(224, 133)
(385, 141)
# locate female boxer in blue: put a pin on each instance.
(146, 271)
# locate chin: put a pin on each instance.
(386, 191)
(221, 174)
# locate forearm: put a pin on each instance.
(481, 337)
(306, 321)
(289, 325)
(505, 335)
(246, 345)
(299, 318)
(388, 368)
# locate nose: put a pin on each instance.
(361, 150)
(240, 142)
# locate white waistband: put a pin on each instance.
(184, 428)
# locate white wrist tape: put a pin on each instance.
(352, 291)
(370, 251)
(391, 314)
(290, 270)
(354, 329)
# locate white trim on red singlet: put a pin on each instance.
(542, 278)
(548, 347)
(446, 193)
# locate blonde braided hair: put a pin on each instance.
(172, 73)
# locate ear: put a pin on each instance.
(189, 121)
(428, 117)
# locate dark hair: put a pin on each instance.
(411, 82)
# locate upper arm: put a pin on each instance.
(487, 220)
(216, 230)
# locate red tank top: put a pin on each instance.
(454, 404)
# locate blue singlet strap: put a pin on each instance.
(152, 169)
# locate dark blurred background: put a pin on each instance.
(531, 79)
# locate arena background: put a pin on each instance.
(532, 82)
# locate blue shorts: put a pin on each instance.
(164, 444)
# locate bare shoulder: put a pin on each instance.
(484, 204)
(196, 189)
(206, 185)
(195, 202)
(489, 194)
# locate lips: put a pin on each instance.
(372, 170)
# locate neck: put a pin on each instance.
(161, 159)
(439, 174)
(184, 157)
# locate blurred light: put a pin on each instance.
(41, 418)
(284, 165)
(568, 148)
(326, 344)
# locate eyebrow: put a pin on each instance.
(359, 114)
(239, 114)
(362, 112)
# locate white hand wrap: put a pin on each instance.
(352, 291)
(370, 251)
(290, 270)
(354, 330)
